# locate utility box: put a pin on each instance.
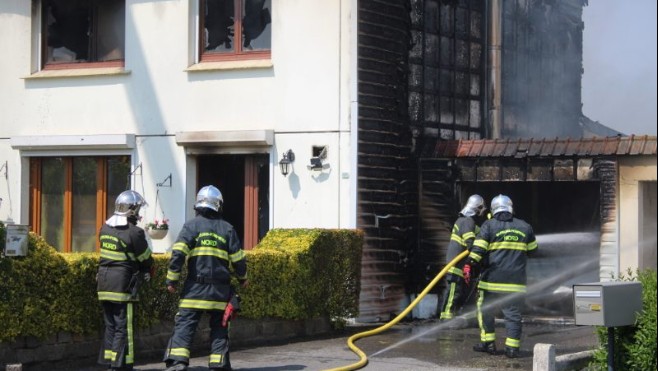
(16, 241)
(608, 304)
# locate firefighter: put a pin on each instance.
(210, 245)
(125, 259)
(502, 246)
(461, 239)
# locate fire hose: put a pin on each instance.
(363, 359)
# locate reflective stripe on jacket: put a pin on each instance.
(210, 246)
(461, 239)
(502, 246)
(124, 254)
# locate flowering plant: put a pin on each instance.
(156, 224)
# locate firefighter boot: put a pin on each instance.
(512, 352)
(485, 347)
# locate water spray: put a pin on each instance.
(536, 287)
(363, 359)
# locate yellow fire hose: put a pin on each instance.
(350, 341)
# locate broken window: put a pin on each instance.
(83, 31)
(235, 29)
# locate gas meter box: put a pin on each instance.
(608, 304)
(16, 240)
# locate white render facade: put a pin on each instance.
(164, 109)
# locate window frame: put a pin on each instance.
(35, 196)
(239, 54)
(42, 39)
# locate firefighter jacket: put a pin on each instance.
(211, 246)
(125, 254)
(461, 239)
(503, 245)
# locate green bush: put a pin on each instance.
(302, 273)
(293, 274)
(635, 346)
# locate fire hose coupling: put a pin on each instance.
(232, 309)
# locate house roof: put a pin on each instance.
(566, 147)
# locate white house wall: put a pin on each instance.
(632, 171)
(303, 95)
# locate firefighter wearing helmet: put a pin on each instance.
(125, 259)
(210, 246)
(461, 239)
(502, 248)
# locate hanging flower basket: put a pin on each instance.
(157, 234)
(157, 230)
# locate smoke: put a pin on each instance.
(619, 60)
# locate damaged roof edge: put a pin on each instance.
(633, 145)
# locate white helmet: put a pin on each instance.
(209, 197)
(128, 203)
(474, 206)
(501, 203)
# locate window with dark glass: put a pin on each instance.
(235, 29)
(82, 33)
(72, 196)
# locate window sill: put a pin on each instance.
(78, 72)
(230, 65)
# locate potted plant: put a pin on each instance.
(158, 229)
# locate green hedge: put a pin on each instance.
(293, 274)
(635, 346)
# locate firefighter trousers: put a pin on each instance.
(489, 303)
(185, 326)
(453, 296)
(118, 347)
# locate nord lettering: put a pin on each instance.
(109, 246)
(208, 243)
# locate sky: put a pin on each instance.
(619, 61)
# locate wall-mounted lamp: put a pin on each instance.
(286, 161)
(318, 159)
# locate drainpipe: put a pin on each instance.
(495, 67)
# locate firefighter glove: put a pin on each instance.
(467, 274)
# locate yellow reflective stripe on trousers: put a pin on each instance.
(502, 287)
(447, 313)
(179, 352)
(215, 358)
(113, 296)
(514, 343)
(109, 355)
(130, 357)
(209, 251)
(202, 304)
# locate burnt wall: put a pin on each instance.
(387, 202)
(446, 65)
(542, 44)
